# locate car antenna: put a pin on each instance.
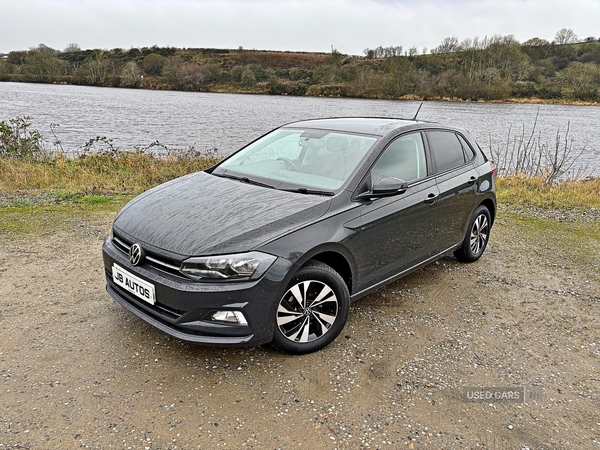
(417, 113)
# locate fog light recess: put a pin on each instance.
(229, 316)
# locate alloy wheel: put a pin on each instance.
(307, 311)
(479, 234)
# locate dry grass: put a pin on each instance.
(100, 174)
(129, 173)
(529, 191)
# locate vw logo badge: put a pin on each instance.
(136, 254)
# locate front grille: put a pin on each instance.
(158, 262)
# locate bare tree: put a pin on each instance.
(44, 49)
(130, 74)
(191, 76)
(582, 78)
(565, 36)
(383, 52)
(536, 42)
(369, 53)
(448, 45)
(72, 48)
(96, 71)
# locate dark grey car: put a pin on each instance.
(275, 242)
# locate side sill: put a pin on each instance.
(405, 272)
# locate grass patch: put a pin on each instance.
(550, 227)
(47, 219)
(528, 191)
(20, 203)
(577, 244)
(97, 199)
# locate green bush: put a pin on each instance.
(275, 87)
(17, 141)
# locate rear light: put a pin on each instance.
(494, 172)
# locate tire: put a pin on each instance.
(313, 310)
(477, 237)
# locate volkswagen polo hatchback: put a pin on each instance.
(275, 242)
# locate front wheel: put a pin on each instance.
(313, 310)
(477, 236)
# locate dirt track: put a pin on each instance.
(79, 371)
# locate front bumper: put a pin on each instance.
(184, 307)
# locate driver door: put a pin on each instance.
(398, 232)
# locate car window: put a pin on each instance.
(446, 149)
(403, 158)
(469, 153)
(319, 159)
(284, 147)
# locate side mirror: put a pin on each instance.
(385, 187)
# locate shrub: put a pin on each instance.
(299, 88)
(16, 140)
(275, 87)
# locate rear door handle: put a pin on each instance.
(472, 180)
(431, 198)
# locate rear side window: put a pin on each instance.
(446, 149)
(469, 153)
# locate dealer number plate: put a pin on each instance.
(138, 287)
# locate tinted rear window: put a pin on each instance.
(469, 153)
(446, 150)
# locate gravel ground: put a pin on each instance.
(79, 371)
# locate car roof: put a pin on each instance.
(377, 126)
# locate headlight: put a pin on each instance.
(243, 266)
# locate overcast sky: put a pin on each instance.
(297, 25)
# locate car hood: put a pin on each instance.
(202, 214)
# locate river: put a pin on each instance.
(135, 117)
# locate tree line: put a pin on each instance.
(489, 68)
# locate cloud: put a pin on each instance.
(309, 25)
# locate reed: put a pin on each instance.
(527, 154)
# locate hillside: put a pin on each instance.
(496, 68)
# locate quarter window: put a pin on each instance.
(446, 150)
(469, 153)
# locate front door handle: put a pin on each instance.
(431, 198)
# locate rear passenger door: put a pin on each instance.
(456, 177)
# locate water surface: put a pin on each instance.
(135, 117)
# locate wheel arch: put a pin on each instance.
(491, 206)
(336, 257)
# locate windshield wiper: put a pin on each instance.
(304, 190)
(245, 180)
(301, 190)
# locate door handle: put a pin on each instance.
(472, 180)
(431, 198)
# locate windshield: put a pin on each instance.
(313, 159)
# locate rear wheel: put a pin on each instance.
(313, 310)
(477, 236)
